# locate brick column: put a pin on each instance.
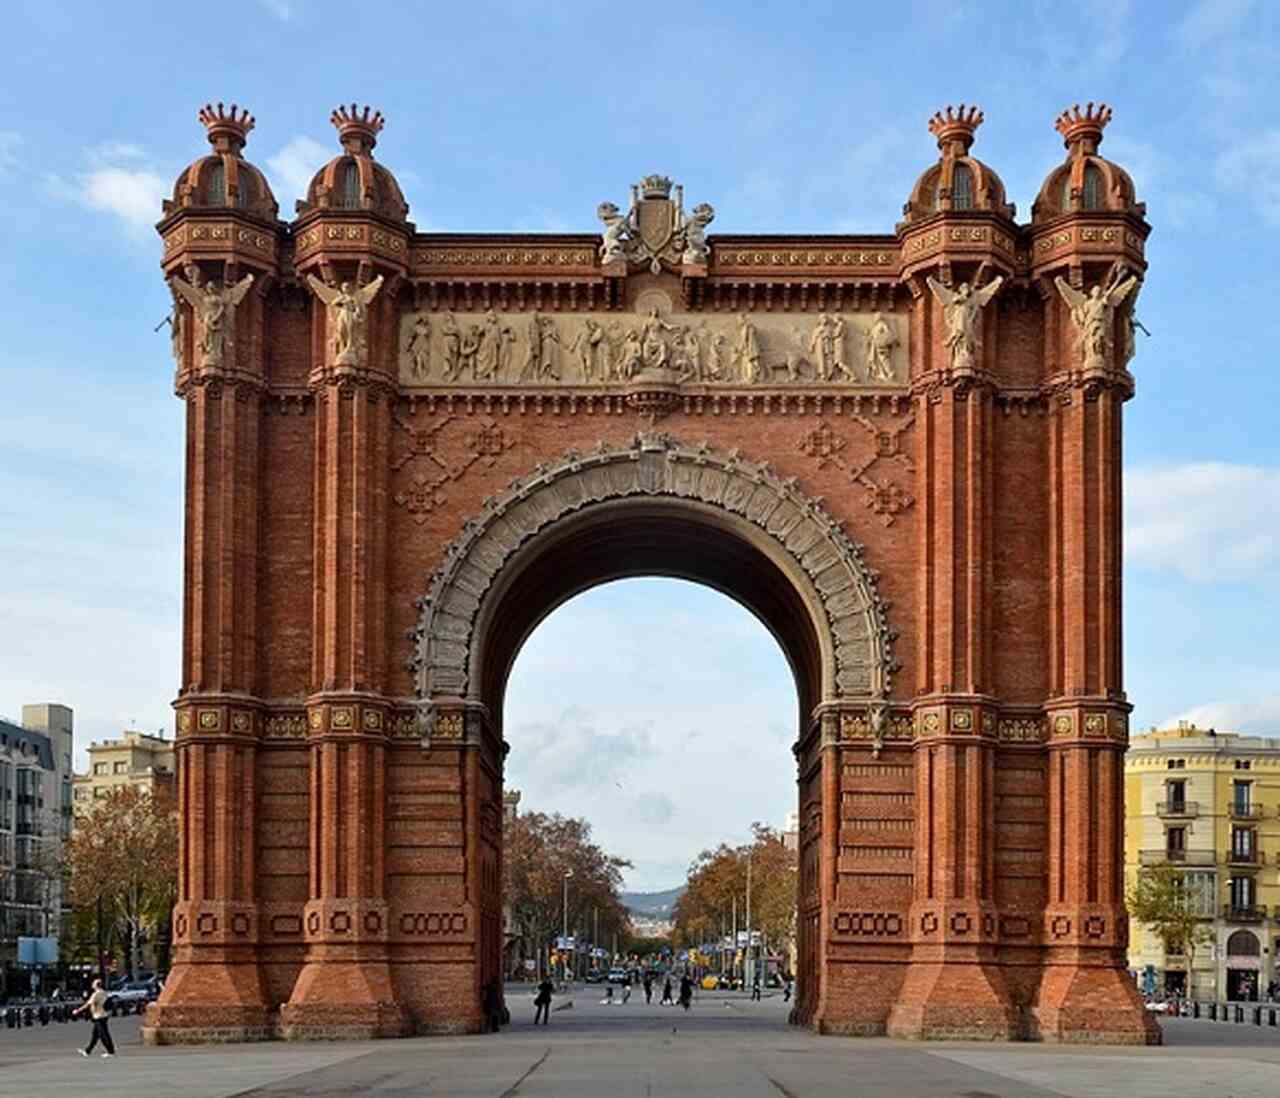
(215, 989)
(345, 987)
(1085, 993)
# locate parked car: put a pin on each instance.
(617, 976)
(137, 991)
(595, 976)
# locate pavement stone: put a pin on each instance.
(726, 1045)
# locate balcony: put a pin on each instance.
(1176, 857)
(1245, 857)
(1178, 810)
(1238, 811)
(1252, 914)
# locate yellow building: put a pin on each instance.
(136, 758)
(1209, 802)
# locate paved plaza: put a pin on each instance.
(726, 1045)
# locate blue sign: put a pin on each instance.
(37, 951)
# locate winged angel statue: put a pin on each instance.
(215, 307)
(960, 310)
(348, 317)
(1094, 317)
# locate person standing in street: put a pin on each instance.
(542, 1002)
(96, 1005)
(626, 989)
(686, 991)
(667, 1000)
(755, 988)
(786, 988)
(648, 987)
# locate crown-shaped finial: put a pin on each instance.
(227, 129)
(1082, 129)
(954, 127)
(655, 186)
(357, 129)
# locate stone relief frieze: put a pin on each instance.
(492, 348)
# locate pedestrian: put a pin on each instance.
(543, 1001)
(686, 991)
(96, 1005)
(667, 1000)
(626, 989)
(786, 988)
(755, 988)
(608, 995)
(648, 988)
(492, 1007)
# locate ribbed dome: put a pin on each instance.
(354, 180)
(224, 179)
(1086, 181)
(958, 182)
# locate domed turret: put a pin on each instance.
(958, 182)
(354, 180)
(1086, 181)
(224, 179)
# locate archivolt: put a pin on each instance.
(858, 640)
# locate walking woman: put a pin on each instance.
(543, 1001)
(686, 991)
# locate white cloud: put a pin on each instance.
(119, 182)
(1162, 181)
(1210, 20)
(1251, 167)
(1257, 715)
(294, 166)
(1207, 521)
(9, 142)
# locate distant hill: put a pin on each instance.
(655, 904)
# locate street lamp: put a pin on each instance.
(564, 927)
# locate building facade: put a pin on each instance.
(135, 759)
(35, 819)
(1209, 803)
(900, 450)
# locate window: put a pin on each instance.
(962, 188)
(1176, 843)
(217, 193)
(81, 793)
(351, 186)
(1243, 944)
(99, 768)
(1176, 794)
(1176, 764)
(1243, 844)
(1242, 892)
(1244, 764)
(1091, 199)
(99, 792)
(1241, 799)
(121, 768)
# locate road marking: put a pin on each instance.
(511, 1091)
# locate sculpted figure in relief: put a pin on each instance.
(178, 333)
(746, 350)
(961, 308)
(451, 340)
(543, 341)
(348, 307)
(827, 343)
(696, 248)
(1094, 316)
(214, 306)
(653, 342)
(631, 357)
(492, 348)
(881, 340)
(588, 345)
(718, 362)
(418, 349)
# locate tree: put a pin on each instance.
(538, 850)
(1161, 901)
(718, 883)
(123, 862)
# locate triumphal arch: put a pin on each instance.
(901, 451)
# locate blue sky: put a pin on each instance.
(521, 116)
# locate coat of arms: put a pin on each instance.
(656, 229)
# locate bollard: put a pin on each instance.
(1195, 1009)
(1271, 1016)
(1213, 1012)
(1257, 1016)
(1239, 1013)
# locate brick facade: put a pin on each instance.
(369, 538)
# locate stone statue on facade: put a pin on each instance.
(961, 309)
(178, 333)
(827, 343)
(696, 248)
(746, 350)
(418, 349)
(653, 341)
(1093, 315)
(613, 246)
(588, 344)
(348, 315)
(494, 340)
(881, 340)
(542, 342)
(214, 306)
